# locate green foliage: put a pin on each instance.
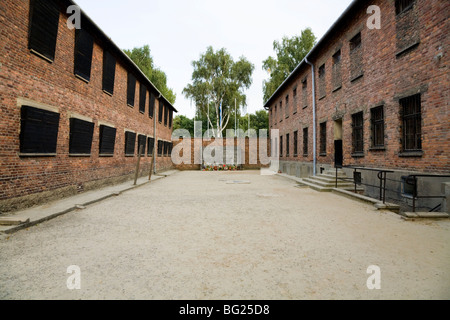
(218, 80)
(183, 122)
(290, 52)
(258, 121)
(142, 58)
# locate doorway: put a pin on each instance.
(338, 145)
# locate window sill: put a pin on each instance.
(129, 156)
(407, 49)
(305, 107)
(357, 77)
(411, 154)
(41, 56)
(295, 112)
(106, 155)
(81, 78)
(322, 97)
(358, 155)
(142, 112)
(30, 155)
(287, 117)
(322, 154)
(337, 89)
(76, 155)
(305, 156)
(108, 93)
(377, 149)
(130, 105)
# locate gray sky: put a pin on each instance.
(179, 31)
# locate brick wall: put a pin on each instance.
(26, 79)
(388, 74)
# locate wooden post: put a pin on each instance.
(136, 175)
(152, 163)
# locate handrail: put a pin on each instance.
(414, 177)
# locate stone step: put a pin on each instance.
(330, 184)
(331, 179)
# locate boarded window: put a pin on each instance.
(407, 26)
(44, 28)
(166, 115)
(337, 78)
(84, 44)
(287, 145)
(356, 57)
(142, 141)
(160, 148)
(107, 140)
(130, 143)
(377, 126)
(322, 82)
(358, 132)
(412, 123)
(81, 133)
(150, 146)
(151, 106)
(170, 118)
(39, 131)
(109, 72)
(305, 142)
(295, 143)
(131, 89)
(323, 138)
(142, 98)
(161, 110)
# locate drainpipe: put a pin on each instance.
(314, 116)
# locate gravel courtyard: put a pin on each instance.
(196, 235)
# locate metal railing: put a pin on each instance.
(412, 181)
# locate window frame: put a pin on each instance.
(416, 118)
(358, 134)
(76, 124)
(377, 124)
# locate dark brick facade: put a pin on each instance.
(28, 79)
(407, 56)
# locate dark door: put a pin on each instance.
(338, 154)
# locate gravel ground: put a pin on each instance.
(195, 236)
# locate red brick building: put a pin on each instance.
(380, 96)
(74, 108)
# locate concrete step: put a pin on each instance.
(331, 179)
(327, 183)
(425, 215)
(315, 186)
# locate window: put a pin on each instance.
(275, 116)
(150, 146)
(295, 143)
(84, 44)
(403, 5)
(160, 113)
(305, 142)
(166, 148)
(80, 141)
(170, 149)
(107, 140)
(130, 143)
(358, 133)
(356, 58)
(151, 106)
(170, 118)
(43, 28)
(131, 89)
(142, 98)
(323, 139)
(294, 98)
(337, 79)
(160, 148)
(305, 93)
(287, 107)
(142, 142)
(322, 83)
(412, 123)
(281, 111)
(281, 146)
(377, 126)
(109, 72)
(38, 131)
(287, 145)
(166, 115)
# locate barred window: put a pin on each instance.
(412, 123)
(287, 145)
(43, 28)
(130, 143)
(131, 89)
(305, 142)
(81, 133)
(109, 72)
(84, 45)
(377, 125)
(295, 143)
(160, 148)
(38, 131)
(358, 132)
(107, 140)
(323, 138)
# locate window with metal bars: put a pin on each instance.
(281, 146)
(161, 110)
(322, 82)
(403, 5)
(44, 21)
(130, 143)
(305, 142)
(337, 78)
(109, 72)
(84, 45)
(142, 141)
(323, 138)
(286, 108)
(287, 145)
(38, 131)
(377, 126)
(412, 123)
(358, 133)
(295, 143)
(107, 140)
(142, 98)
(81, 133)
(131, 89)
(150, 146)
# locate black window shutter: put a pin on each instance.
(44, 20)
(142, 98)
(166, 115)
(161, 110)
(107, 140)
(130, 143)
(84, 44)
(160, 147)
(151, 106)
(150, 146)
(170, 118)
(81, 133)
(39, 131)
(131, 89)
(142, 141)
(109, 72)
